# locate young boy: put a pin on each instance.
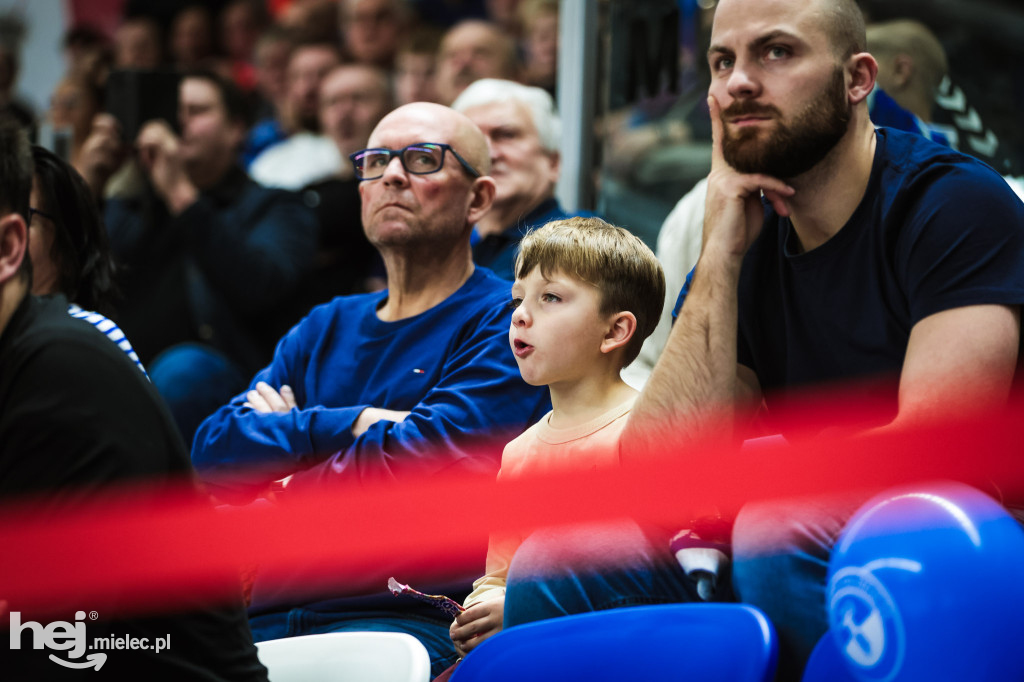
(586, 296)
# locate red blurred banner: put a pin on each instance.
(129, 552)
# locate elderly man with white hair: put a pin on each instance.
(522, 130)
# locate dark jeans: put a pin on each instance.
(558, 572)
(781, 552)
(294, 622)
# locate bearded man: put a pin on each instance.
(874, 254)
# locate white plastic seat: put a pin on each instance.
(346, 656)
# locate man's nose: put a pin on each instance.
(743, 82)
(394, 172)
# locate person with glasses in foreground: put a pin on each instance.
(68, 246)
(408, 381)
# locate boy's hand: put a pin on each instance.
(476, 624)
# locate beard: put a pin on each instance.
(789, 150)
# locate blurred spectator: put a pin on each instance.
(374, 29)
(523, 133)
(314, 21)
(911, 64)
(447, 13)
(471, 50)
(241, 24)
(73, 105)
(539, 20)
(415, 66)
(68, 246)
(300, 119)
(191, 42)
(87, 51)
(209, 255)
(67, 240)
(503, 13)
(917, 95)
(270, 61)
(10, 105)
(353, 99)
(138, 44)
(102, 155)
(78, 419)
(307, 64)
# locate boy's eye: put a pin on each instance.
(514, 303)
(550, 298)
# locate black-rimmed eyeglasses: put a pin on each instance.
(419, 159)
(35, 211)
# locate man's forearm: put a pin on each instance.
(691, 391)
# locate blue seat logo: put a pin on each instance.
(864, 620)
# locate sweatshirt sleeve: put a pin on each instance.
(238, 451)
(479, 403)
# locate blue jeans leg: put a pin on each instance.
(559, 572)
(781, 552)
(195, 381)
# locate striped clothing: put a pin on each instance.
(112, 331)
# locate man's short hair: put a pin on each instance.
(538, 101)
(845, 27)
(617, 262)
(16, 171)
(236, 105)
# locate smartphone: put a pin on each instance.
(137, 96)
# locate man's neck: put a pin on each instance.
(502, 216)
(421, 278)
(11, 295)
(828, 194)
(578, 402)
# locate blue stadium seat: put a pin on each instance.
(694, 642)
(925, 583)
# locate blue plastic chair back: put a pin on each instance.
(692, 642)
(925, 583)
(827, 664)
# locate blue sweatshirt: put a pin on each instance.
(450, 366)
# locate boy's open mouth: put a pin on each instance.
(521, 348)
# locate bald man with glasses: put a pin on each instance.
(405, 382)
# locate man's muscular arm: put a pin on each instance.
(697, 380)
(957, 360)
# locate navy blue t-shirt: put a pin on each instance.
(935, 230)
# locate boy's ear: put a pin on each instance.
(621, 330)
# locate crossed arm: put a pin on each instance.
(330, 424)
(265, 399)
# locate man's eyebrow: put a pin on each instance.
(755, 44)
(771, 37)
(718, 49)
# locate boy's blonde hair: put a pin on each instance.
(622, 267)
